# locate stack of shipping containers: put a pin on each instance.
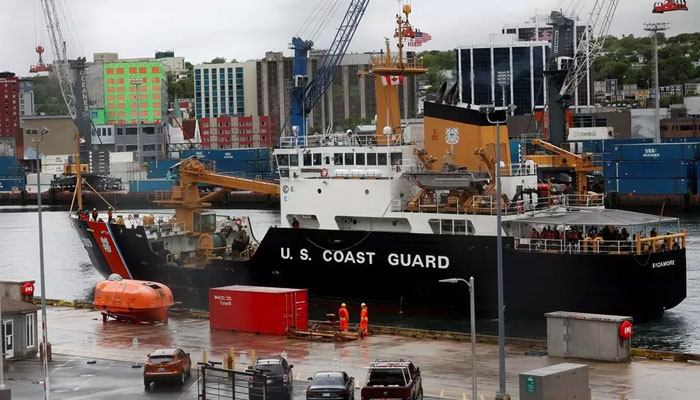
(652, 169)
(11, 174)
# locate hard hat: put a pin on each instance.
(363, 305)
(342, 305)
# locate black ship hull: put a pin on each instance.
(405, 268)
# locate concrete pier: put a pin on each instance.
(445, 364)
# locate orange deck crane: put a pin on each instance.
(669, 5)
(581, 164)
(185, 197)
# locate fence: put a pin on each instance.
(215, 383)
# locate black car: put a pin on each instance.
(279, 379)
(334, 385)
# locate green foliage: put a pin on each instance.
(436, 61)
(217, 60)
(676, 55)
(352, 123)
(183, 88)
(48, 99)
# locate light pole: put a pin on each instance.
(503, 79)
(39, 135)
(655, 28)
(137, 82)
(4, 391)
(472, 313)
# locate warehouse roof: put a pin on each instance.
(16, 306)
(598, 217)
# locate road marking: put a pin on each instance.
(464, 396)
(298, 375)
(442, 393)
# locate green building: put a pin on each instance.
(124, 98)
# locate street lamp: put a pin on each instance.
(4, 391)
(472, 313)
(503, 80)
(38, 136)
(137, 82)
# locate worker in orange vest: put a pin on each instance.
(344, 317)
(364, 320)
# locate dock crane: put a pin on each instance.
(304, 93)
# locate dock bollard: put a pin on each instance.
(233, 358)
(135, 346)
(204, 356)
(252, 358)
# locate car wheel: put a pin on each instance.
(146, 385)
(420, 394)
(182, 378)
(189, 372)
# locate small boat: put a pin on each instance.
(456, 180)
(133, 300)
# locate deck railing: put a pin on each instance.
(638, 246)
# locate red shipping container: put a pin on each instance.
(258, 309)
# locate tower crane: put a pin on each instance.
(305, 94)
(567, 65)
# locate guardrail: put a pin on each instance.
(597, 245)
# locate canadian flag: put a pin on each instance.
(392, 80)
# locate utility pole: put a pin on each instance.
(44, 332)
(503, 80)
(655, 28)
(137, 82)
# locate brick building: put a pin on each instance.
(227, 132)
(9, 104)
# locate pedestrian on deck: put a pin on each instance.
(95, 214)
(344, 317)
(364, 321)
(109, 214)
(295, 223)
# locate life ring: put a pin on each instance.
(555, 200)
(239, 222)
(324, 172)
(626, 330)
(28, 289)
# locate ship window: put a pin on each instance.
(338, 159)
(360, 159)
(349, 159)
(371, 159)
(396, 158)
(307, 159)
(284, 173)
(208, 222)
(460, 227)
(446, 226)
(283, 160)
(317, 159)
(381, 159)
(294, 160)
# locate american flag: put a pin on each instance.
(420, 38)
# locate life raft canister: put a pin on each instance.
(324, 172)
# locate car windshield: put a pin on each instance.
(271, 366)
(328, 380)
(387, 377)
(162, 359)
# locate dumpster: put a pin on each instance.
(590, 336)
(258, 309)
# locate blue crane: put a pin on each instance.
(305, 94)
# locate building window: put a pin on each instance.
(31, 330)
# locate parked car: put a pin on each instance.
(334, 385)
(167, 365)
(393, 379)
(279, 378)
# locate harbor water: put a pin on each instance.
(70, 276)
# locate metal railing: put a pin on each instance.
(637, 246)
(336, 140)
(221, 383)
(381, 61)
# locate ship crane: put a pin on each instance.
(186, 199)
(306, 94)
(669, 5)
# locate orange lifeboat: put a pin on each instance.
(132, 300)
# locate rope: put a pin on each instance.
(305, 25)
(73, 201)
(98, 193)
(331, 13)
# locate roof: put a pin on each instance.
(597, 217)
(17, 306)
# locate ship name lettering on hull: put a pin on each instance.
(416, 260)
(349, 257)
(368, 257)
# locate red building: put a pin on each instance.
(9, 104)
(228, 132)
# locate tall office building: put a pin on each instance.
(478, 67)
(26, 97)
(9, 104)
(225, 89)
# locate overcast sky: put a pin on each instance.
(245, 29)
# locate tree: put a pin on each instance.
(48, 98)
(435, 62)
(217, 60)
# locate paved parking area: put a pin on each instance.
(445, 364)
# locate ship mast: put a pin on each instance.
(389, 72)
(78, 177)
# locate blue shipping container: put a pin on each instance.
(515, 151)
(648, 169)
(647, 186)
(233, 154)
(610, 143)
(159, 169)
(8, 160)
(151, 185)
(655, 152)
(6, 185)
(681, 140)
